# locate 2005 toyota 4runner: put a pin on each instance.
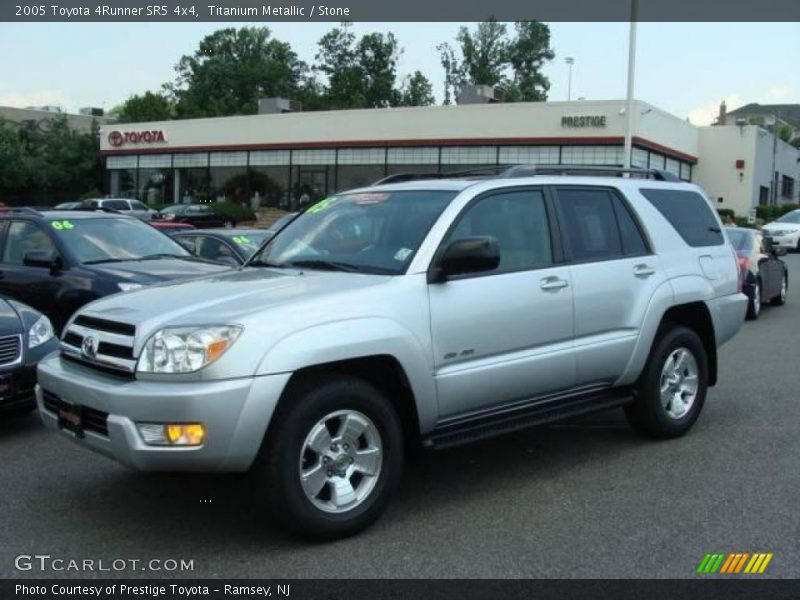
(416, 312)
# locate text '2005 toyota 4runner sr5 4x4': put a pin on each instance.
(416, 312)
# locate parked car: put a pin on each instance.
(199, 215)
(785, 231)
(26, 336)
(57, 261)
(171, 227)
(125, 206)
(426, 313)
(764, 275)
(229, 246)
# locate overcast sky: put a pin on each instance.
(684, 68)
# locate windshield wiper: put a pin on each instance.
(106, 260)
(265, 263)
(326, 265)
(161, 255)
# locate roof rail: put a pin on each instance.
(506, 171)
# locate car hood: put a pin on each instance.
(10, 322)
(232, 297)
(157, 270)
(775, 226)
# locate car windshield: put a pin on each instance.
(173, 208)
(114, 239)
(792, 217)
(249, 241)
(741, 240)
(370, 232)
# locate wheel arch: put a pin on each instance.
(697, 317)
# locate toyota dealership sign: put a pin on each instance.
(127, 138)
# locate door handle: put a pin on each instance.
(553, 283)
(643, 270)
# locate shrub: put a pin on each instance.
(772, 212)
(236, 212)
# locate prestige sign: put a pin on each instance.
(584, 121)
(122, 138)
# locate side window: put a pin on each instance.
(589, 224)
(136, 205)
(117, 204)
(24, 237)
(633, 243)
(518, 221)
(689, 214)
(212, 248)
(189, 242)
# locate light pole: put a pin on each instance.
(626, 159)
(570, 61)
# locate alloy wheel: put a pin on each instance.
(679, 382)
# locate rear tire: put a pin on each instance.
(672, 389)
(754, 301)
(332, 457)
(780, 299)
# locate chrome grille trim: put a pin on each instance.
(108, 336)
(10, 350)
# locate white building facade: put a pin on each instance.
(272, 160)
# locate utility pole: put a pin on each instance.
(570, 61)
(626, 161)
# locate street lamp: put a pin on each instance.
(570, 61)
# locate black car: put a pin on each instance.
(26, 336)
(199, 215)
(764, 275)
(57, 261)
(228, 246)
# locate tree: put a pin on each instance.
(231, 70)
(487, 56)
(360, 73)
(416, 91)
(15, 168)
(145, 107)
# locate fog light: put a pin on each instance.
(172, 434)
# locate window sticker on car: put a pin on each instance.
(61, 225)
(402, 254)
(321, 205)
(242, 240)
(370, 198)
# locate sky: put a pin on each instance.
(684, 68)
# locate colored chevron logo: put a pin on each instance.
(734, 563)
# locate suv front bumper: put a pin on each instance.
(235, 413)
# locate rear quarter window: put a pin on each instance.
(689, 213)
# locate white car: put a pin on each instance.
(785, 232)
(126, 206)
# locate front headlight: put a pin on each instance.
(186, 349)
(129, 287)
(41, 332)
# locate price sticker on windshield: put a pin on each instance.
(61, 225)
(321, 205)
(370, 198)
(242, 240)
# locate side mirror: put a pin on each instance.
(42, 259)
(467, 255)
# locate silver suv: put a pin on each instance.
(413, 313)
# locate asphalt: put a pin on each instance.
(586, 499)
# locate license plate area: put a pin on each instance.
(70, 418)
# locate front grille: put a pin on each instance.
(111, 347)
(10, 349)
(93, 420)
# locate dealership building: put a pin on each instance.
(274, 159)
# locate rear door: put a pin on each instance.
(504, 335)
(614, 275)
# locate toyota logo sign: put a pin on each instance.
(120, 138)
(89, 346)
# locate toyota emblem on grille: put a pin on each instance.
(89, 346)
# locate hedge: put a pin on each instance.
(773, 211)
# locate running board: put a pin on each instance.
(521, 417)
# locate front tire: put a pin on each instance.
(672, 389)
(780, 299)
(332, 457)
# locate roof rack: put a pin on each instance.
(507, 171)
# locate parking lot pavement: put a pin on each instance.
(587, 499)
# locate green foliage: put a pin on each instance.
(236, 212)
(144, 107)
(232, 69)
(488, 56)
(416, 91)
(726, 212)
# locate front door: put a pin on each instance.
(505, 335)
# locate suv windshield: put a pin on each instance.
(792, 217)
(114, 239)
(371, 232)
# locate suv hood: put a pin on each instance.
(157, 270)
(775, 226)
(229, 297)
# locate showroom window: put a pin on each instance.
(639, 158)
(428, 155)
(529, 155)
(469, 155)
(269, 185)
